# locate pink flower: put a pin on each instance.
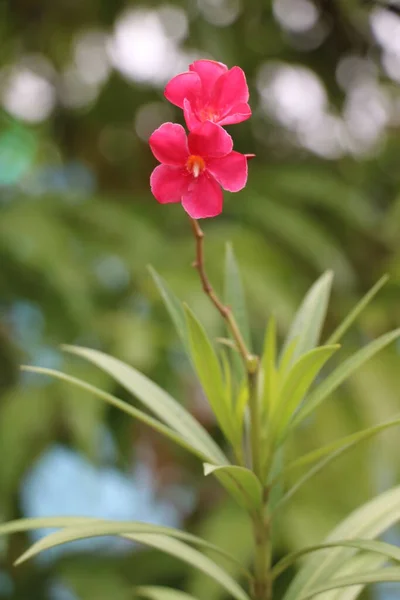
(194, 168)
(210, 92)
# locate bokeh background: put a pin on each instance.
(81, 89)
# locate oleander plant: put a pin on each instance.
(259, 396)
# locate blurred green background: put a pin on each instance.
(81, 91)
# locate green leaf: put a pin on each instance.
(124, 407)
(388, 550)
(337, 447)
(227, 379)
(363, 303)
(268, 368)
(286, 359)
(169, 545)
(208, 369)
(387, 575)
(310, 317)
(274, 480)
(327, 454)
(113, 528)
(20, 525)
(242, 401)
(367, 522)
(89, 527)
(360, 563)
(240, 483)
(174, 307)
(234, 294)
(155, 399)
(343, 372)
(297, 384)
(155, 592)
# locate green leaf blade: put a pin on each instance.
(339, 446)
(169, 545)
(343, 372)
(208, 369)
(269, 370)
(387, 550)
(309, 319)
(155, 399)
(174, 307)
(298, 382)
(357, 310)
(387, 575)
(234, 294)
(161, 593)
(367, 522)
(122, 406)
(241, 484)
(327, 454)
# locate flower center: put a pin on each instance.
(195, 165)
(209, 114)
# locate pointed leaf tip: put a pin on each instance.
(241, 483)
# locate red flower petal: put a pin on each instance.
(169, 184)
(230, 171)
(239, 113)
(210, 140)
(204, 198)
(185, 85)
(190, 116)
(169, 144)
(209, 71)
(230, 90)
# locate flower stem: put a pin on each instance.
(249, 360)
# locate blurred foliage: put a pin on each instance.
(78, 226)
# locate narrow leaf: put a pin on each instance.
(155, 399)
(240, 483)
(328, 454)
(268, 368)
(234, 294)
(388, 550)
(360, 563)
(89, 527)
(343, 372)
(298, 382)
(169, 545)
(20, 525)
(357, 310)
(367, 522)
(286, 359)
(227, 379)
(208, 369)
(387, 575)
(111, 528)
(155, 592)
(337, 447)
(124, 407)
(242, 401)
(310, 317)
(174, 307)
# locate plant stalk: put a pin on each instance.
(224, 310)
(262, 582)
(261, 521)
(262, 586)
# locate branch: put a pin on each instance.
(250, 361)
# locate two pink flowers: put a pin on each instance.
(194, 167)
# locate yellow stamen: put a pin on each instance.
(195, 165)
